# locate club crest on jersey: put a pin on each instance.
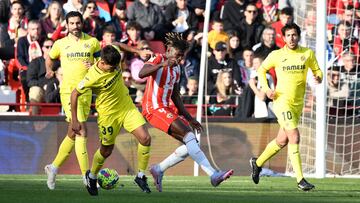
(169, 115)
(86, 46)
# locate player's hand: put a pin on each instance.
(76, 127)
(145, 53)
(317, 80)
(49, 74)
(196, 125)
(270, 94)
(87, 64)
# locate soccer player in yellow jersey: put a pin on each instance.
(116, 110)
(76, 52)
(291, 66)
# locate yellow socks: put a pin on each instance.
(143, 155)
(296, 161)
(81, 153)
(64, 151)
(97, 163)
(271, 149)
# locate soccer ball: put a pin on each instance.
(108, 178)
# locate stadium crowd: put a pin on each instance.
(242, 33)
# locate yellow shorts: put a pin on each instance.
(288, 116)
(84, 102)
(110, 125)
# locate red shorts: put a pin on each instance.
(163, 117)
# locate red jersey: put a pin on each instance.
(160, 85)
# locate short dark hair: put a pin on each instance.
(72, 14)
(133, 24)
(287, 11)
(109, 29)
(290, 26)
(110, 55)
(17, 2)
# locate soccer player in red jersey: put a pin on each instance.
(162, 88)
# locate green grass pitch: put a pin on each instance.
(32, 188)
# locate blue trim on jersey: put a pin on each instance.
(96, 54)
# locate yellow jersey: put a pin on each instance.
(291, 67)
(72, 54)
(112, 94)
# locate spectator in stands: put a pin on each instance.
(180, 17)
(267, 43)
(286, 16)
(217, 34)
(93, 24)
(135, 66)
(249, 28)
(268, 10)
(53, 19)
(308, 36)
(150, 18)
(107, 9)
(73, 5)
(224, 94)
(219, 62)
(126, 75)
(108, 36)
(350, 16)
(350, 70)
(5, 40)
(262, 104)
(191, 67)
(35, 77)
(246, 66)
(191, 95)
(133, 31)
(28, 48)
(163, 3)
(338, 90)
(18, 22)
(344, 40)
(233, 13)
(119, 21)
(199, 8)
(234, 49)
(52, 92)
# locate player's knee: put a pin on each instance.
(106, 151)
(145, 140)
(71, 135)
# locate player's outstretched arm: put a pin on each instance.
(75, 124)
(175, 97)
(49, 64)
(127, 48)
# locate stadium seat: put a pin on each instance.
(157, 46)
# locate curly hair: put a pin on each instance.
(176, 40)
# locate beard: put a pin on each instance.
(75, 32)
